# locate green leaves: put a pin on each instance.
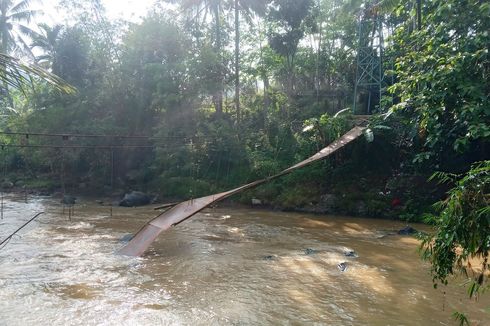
(442, 77)
(461, 318)
(326, 128)
(462, 227)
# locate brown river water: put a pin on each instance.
(222, 267)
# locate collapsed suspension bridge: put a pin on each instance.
(184, 210)
(179, 213)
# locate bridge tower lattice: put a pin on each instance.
(369, 83)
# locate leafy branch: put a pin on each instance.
(462, 228)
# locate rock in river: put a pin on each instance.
(342, 266)
(269, 257)
(350, 253)
(309, 251)
(408, 230)
(135, 198)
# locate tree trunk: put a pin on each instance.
(317, 65)
(237, 63)
(291, 78)
(4, 49)
(419, 14)
(218, 95)
(267, 100)
(265, 80)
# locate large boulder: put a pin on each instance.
(7, 184)
(135, 198)
(408, 230)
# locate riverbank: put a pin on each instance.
(325, 204)
(343, 190)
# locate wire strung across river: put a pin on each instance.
(7, 239)
(66, 136)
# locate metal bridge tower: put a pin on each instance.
(369, 82)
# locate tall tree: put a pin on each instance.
(14, 17)
(71, 60)
(249, 7)
(13, 32)
(291, 18)
(198, 10)
(215, 6)
(237, 60)
(46, 41)
(442, 80)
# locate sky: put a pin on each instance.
(131, 10)
(127, 9)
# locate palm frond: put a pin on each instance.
(27, 31)
(44, 27)
(23, 45)
(20, 6)
(10, 42)
(48, 36)
(5, 5)
(258, 7)
(19, 74)
(54, 32)
(40, 42)
(388, 6)
(26, 15)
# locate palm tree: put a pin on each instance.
(215, 8)
(202, 9)
(249, 7)
(13, 31)
(46, 41)
(14, 17)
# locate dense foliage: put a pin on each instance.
(443, 81)
(463, 222)
(443, 89)
(463, 230)
(173, 80)
(231, 91)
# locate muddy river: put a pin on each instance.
(222, 267)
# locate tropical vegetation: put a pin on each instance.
(217, 92)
